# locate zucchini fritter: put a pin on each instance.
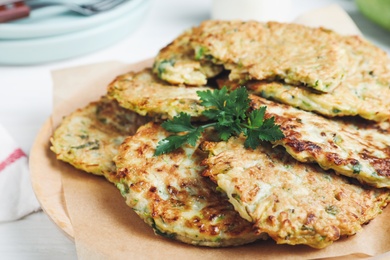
(297, 54)
(310, 68)
(169, 193)
(293, 202)
(176, 64)
(146, 94)
(364, 92)
(89, 138)
(357, 150)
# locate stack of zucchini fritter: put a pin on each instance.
(327, 177)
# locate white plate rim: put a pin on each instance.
(14, 31)
(61, 47)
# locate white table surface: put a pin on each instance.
(26, 102)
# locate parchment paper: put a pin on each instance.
(106, 228)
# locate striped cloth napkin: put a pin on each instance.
(17, 198)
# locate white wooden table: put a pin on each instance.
(26, 102)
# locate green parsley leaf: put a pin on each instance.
(228, 114)
(256, 117)
(215, 99)
(271, 134)
(173, 142)
(255, 136)
(180, 123)
(252, 140)
(238, 103)
(224, 132)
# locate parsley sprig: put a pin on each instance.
(228, 114)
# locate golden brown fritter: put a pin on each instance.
(297, 54)
(169, 193)
(176, 64)
(364, 92)
(358, 150)
(146, 94)
(293, 202)
(89, 138)
(310, 68)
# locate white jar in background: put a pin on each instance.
(260, 10)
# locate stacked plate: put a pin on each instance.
(54, 33)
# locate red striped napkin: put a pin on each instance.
(17, 198)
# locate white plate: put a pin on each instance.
(59, 47)
(57, 20)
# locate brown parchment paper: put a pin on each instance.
(104, 227)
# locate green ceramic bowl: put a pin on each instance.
(377, 11)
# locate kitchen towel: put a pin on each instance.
(17, 198)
